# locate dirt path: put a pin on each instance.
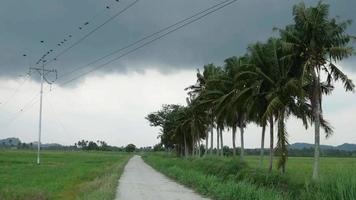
(140, 182)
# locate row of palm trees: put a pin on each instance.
(282, 77)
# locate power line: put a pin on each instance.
(142, 39)
(16, 91)
(69, 36)
(33, 101)
(58, 120)
(93, 31)
(99, 13)
(147, 43)
(23, 109)
(217, 7)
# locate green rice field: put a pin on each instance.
(61, 175)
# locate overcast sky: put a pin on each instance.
(110, 104)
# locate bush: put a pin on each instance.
(158, 147)
(130, 148)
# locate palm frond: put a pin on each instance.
(339, 75)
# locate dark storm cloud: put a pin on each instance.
(24, 23)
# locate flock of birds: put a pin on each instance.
(64, 41)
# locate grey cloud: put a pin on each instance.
(225, 33)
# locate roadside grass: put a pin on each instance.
(211, 177)
(227, 178)
(62, 175)
(337, 177)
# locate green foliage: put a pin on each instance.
(228, 178)
(181, 127)
(130, 148)
(167, 119)
(158, 147)
(61, 175)
(341, 186)
(215, 178)
(94, 146)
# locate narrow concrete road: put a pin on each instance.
(141, 182)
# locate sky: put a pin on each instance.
(111, 103)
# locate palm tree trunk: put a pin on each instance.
(262, 145)
(217, 141)
(317, 112)
(271, 145)
(185, 146)
(282, 142)
(206, 143)
(212, 139)
(198, 143)
(222, 143)
(181, 151)
(242, 144)
(234, 140)
(193, 146)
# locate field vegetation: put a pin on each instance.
(228, 178)
(61, 175)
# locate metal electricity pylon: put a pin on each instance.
(43, 73)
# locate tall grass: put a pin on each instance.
(212, 178)
(103, 187)
(339, 186)
(228, 178)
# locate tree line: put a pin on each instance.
(304, 152)
(102, 146)
(282, 77)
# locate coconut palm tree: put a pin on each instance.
(230, 104)
(232, 65)
(318, 42)
(269, 77)
(205, 99)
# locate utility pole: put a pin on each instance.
(43, 73)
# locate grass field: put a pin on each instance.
(300, 168)
(62, 175)
(228, 178)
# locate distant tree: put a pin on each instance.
(23, 146)
(92, 146)
(103, 146)
(166, 119)
(158, 147)
(82, 144)
(130, 148)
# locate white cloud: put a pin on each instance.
(112, 108)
